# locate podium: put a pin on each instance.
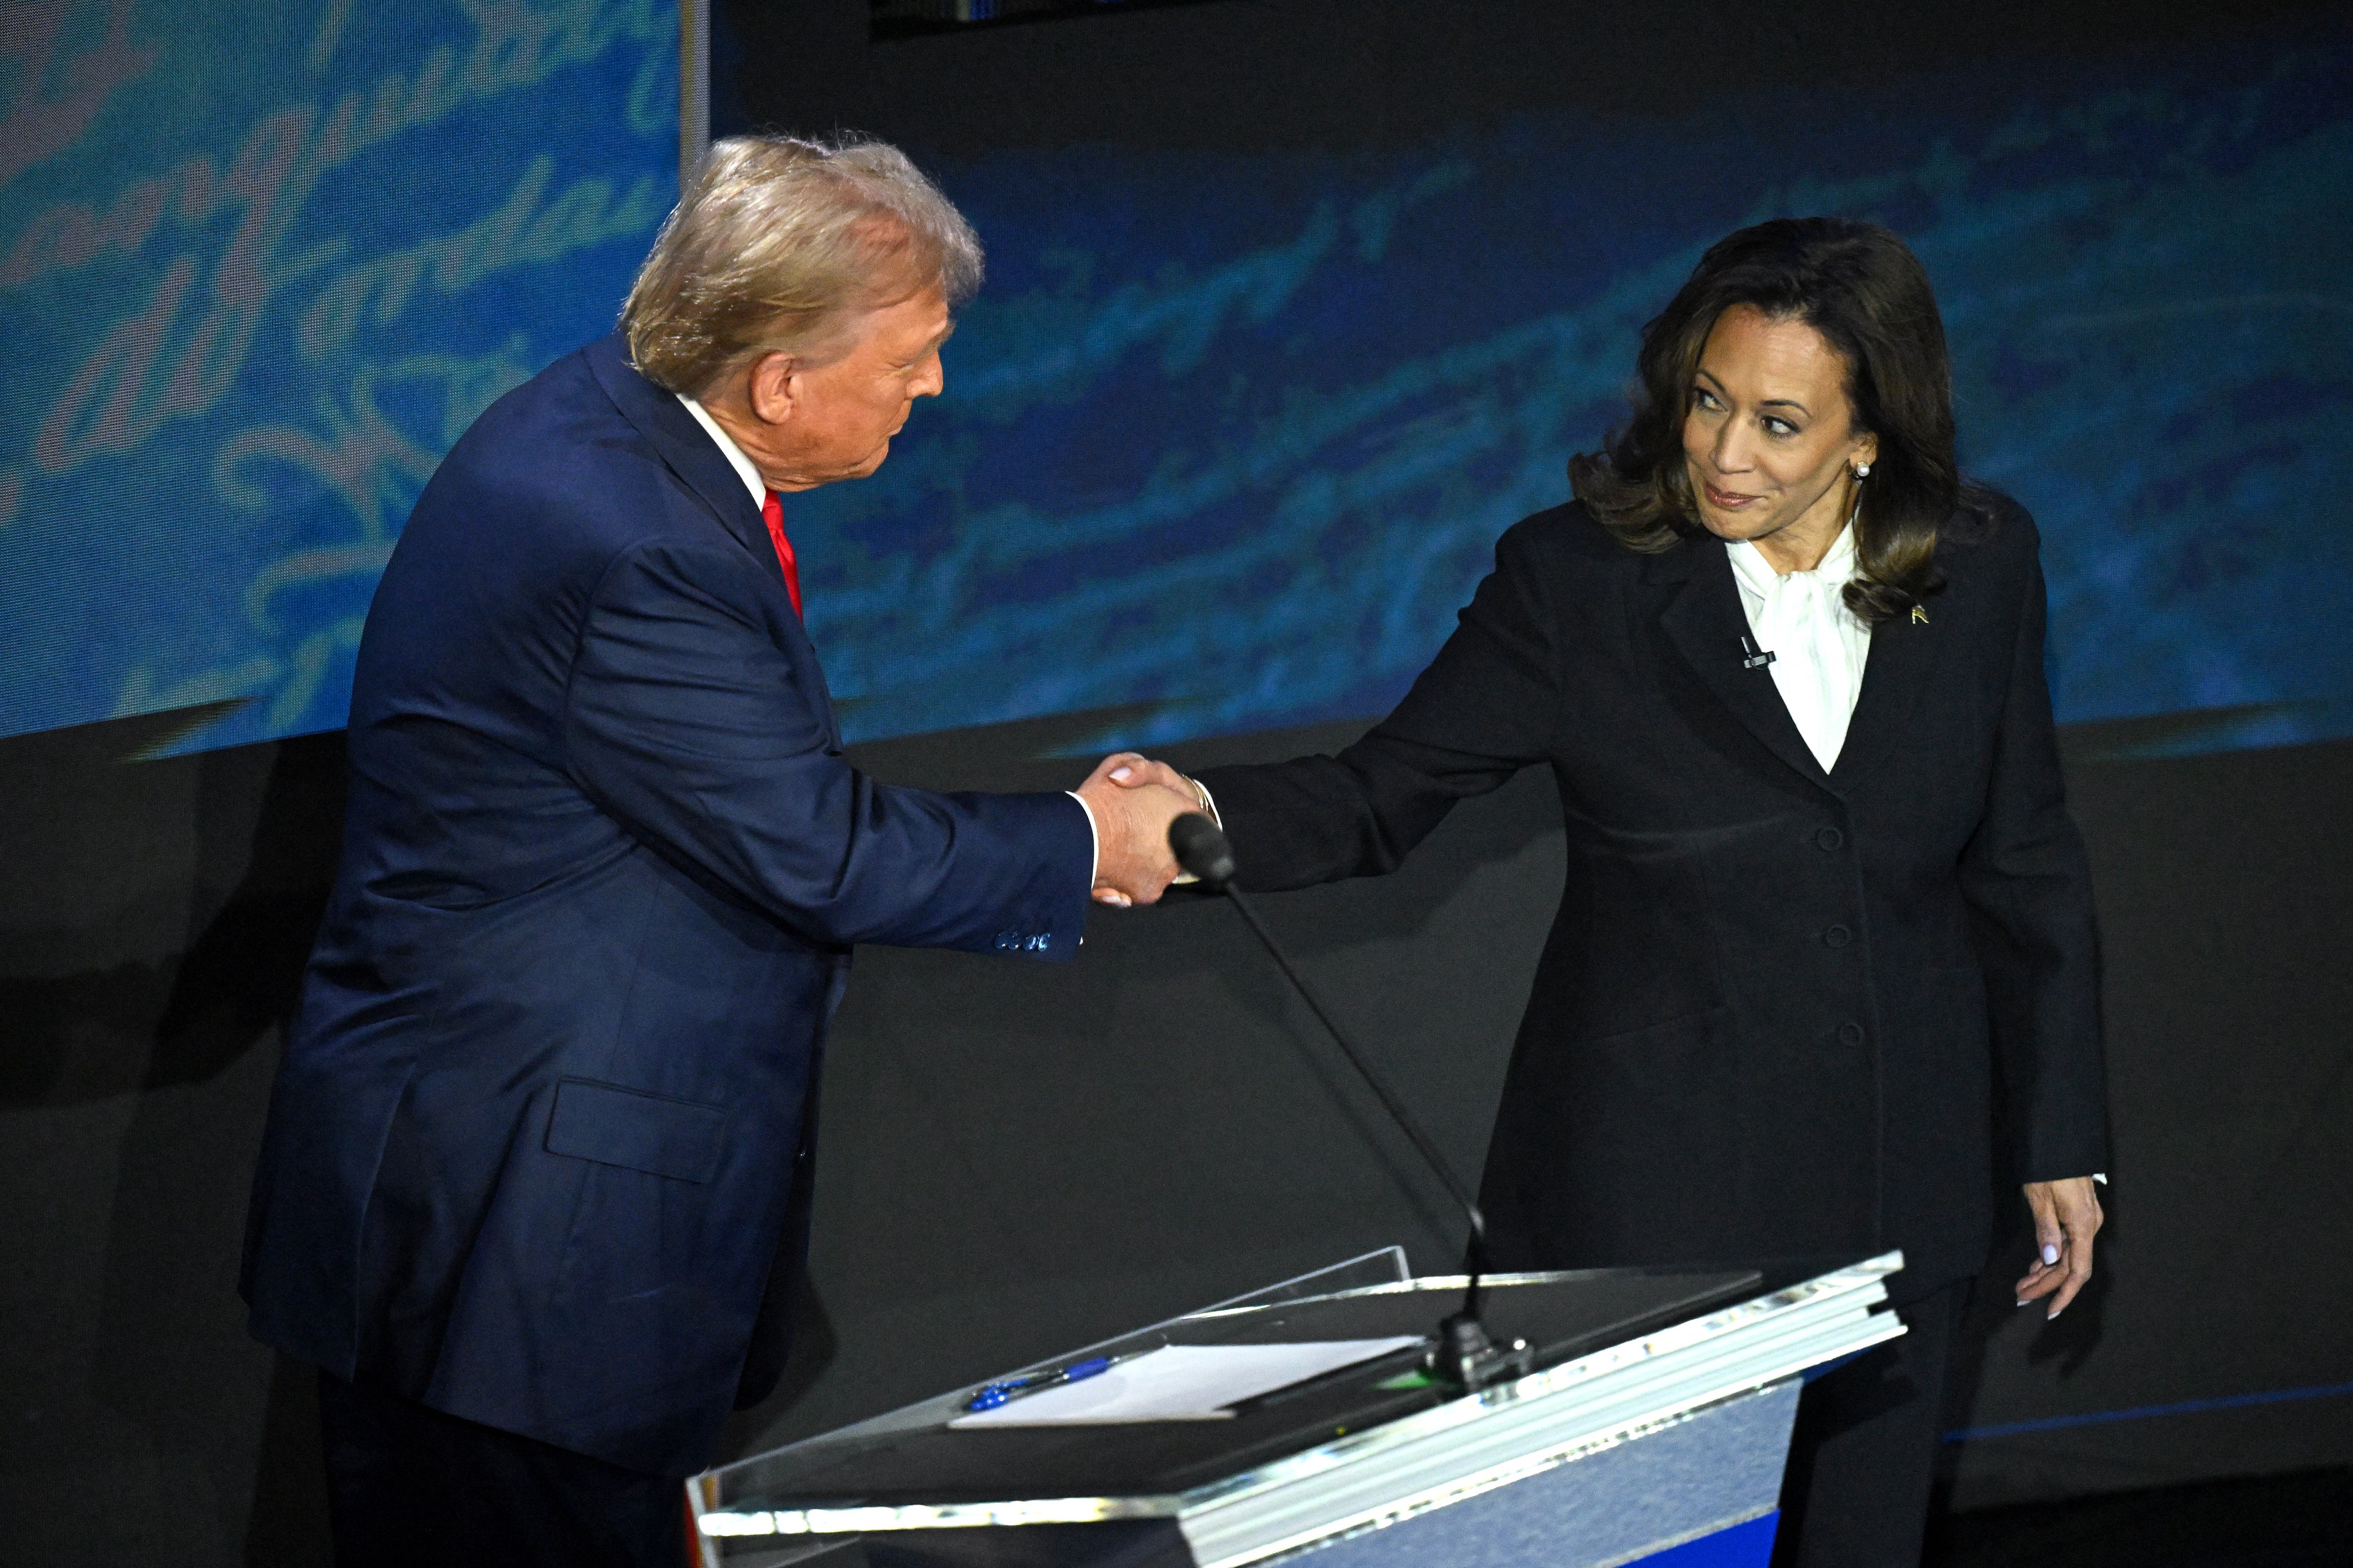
(1652, 1429)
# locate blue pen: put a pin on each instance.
(997, 1394)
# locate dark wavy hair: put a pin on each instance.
(1867, 294)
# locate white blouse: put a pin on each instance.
(1818, 645)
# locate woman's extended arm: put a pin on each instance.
(1487, 706)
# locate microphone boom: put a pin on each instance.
(1464, 1355)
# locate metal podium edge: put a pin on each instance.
(1547, 1419)
(1537, 1429)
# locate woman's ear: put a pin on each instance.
(1865, 453)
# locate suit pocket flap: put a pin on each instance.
(649, 1132)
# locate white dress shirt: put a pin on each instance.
(1818, 645)
(745, 469)
(749, 472)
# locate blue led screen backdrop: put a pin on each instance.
(1227, 439)
(259, 265)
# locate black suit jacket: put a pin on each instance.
(1779, 1008)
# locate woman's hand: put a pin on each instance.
(1133, 770)
(2066, 1217)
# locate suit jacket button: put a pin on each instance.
(1836, 936)
(1850, 1034)
(1829, 838)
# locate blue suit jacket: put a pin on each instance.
(533, 1147)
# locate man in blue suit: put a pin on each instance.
(540, 1150)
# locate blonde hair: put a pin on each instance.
(777, 244)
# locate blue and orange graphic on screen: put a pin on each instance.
(1226, 438)
(260, 265)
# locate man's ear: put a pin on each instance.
(773, 388)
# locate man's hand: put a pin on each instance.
(1133, 809)
(2066, 1217)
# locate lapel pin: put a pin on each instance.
(1919, 616)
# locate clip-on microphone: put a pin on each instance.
(1464, 1355)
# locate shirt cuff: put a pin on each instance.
(1094, 837)
(1207, 799)
(1208, 804)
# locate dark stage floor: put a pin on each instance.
(2301, 1520)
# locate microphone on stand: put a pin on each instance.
(1464, 1355)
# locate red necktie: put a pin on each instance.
(774, 512)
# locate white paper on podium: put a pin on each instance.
(1182, 1382)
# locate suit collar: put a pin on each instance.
(682, 444)
(737, 458)
(1705, 622)
(1903, 652)
(689, 453)
(1708, 627)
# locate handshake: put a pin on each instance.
(1132, 800)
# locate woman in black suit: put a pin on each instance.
(1827, 921)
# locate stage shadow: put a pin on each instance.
(173, 1354)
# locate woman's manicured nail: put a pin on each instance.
(2050, 1254)
(1121, 773)
(2021, 1300)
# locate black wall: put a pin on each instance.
(1018, 1158)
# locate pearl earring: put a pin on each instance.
(1862, 470)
